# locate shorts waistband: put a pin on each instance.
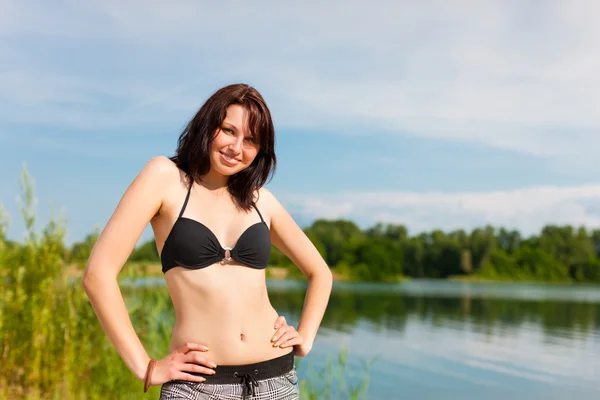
(231, 374)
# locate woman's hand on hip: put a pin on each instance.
(178, 365)
(287, 336)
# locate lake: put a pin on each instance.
(453, 340)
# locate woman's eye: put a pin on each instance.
(227, 130)
(250, 139)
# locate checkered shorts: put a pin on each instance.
(283, 387)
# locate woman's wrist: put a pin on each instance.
(141, 368)
(307, 339)
(148, 375)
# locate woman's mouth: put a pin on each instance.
(229, 160)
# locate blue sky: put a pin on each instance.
(428, 114)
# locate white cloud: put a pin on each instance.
(527, 209)
(506, 74)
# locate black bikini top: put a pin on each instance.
(190, 244)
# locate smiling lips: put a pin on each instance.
(230, 160)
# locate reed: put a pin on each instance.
(51, 343)
(337, 379)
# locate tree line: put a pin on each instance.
(386, 252)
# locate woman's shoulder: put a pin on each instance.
(161, 167)
(263, 195)
(161, 171)
(267, 200)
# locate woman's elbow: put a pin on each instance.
(92, 280)
(329, 276)
(322, 274)
(88, 282)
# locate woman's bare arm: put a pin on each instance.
(141, 201)
(287, 236)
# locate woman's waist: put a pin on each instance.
(231, 349)
(232, 338)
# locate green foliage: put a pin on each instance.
(527, 263)
(337, 380)
(331, 236)
(53, 345)
(80, 251)
(387, 253)
(278, 258)
(383, 255)
(145, 252)
(588, 271)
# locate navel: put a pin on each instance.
(242, 337)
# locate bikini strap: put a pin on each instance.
(259, 214)
(187, 197)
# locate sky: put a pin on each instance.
(432, 114)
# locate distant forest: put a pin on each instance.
(388, 253)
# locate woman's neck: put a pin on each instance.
(215, 181)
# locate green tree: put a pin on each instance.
(332, 235)
(374, 259)
(80, 251)
(482, 243)
(147, 252)
(414, 257)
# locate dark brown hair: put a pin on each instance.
(193, 147)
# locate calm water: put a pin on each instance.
(447, 340)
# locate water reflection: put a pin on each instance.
(571, 312)
(456, 340)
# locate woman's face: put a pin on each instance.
(234, 147)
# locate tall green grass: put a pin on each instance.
(336, 379)
(51, 343)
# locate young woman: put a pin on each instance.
(214, 224)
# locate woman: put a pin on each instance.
(214, 224)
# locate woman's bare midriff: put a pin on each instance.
(225, 307)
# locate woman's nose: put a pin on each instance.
(236, 144)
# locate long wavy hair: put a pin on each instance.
(193, 147)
